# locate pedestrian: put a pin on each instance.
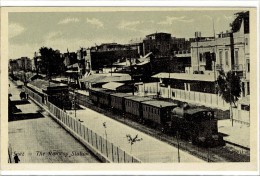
(16, 158)
(22, 95)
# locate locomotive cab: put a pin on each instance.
(197, 125)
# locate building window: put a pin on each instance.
(247, 65)
(245, 107)
(236, 56)
(220, 57)
(226, 57)
(248, 88)
(201, 57)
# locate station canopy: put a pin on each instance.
(185, 76)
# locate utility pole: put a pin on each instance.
(197, 39)
(131, 69)
(178, 144)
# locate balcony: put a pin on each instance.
(237, 67)
(219, 67)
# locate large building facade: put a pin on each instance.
(228, 51)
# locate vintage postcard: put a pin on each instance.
(129, 88)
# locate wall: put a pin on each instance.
(206, 99)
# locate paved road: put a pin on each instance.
(42, 140)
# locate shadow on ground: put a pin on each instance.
(19, 102)
(24, 116)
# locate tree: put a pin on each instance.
(51, 62)
(236, 24)
(229, 88)
(132, 141)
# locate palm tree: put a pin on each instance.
(229, 88)
(132, 140)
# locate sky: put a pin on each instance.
(29, 31)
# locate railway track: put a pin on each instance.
(216, 154)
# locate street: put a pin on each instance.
(40, 139)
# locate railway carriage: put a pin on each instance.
(157, 112)
(133, 106)
(100, 97)
(118, 101)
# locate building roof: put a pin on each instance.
(40, 84)
(144, 62)
(186, 76)
(121, 95)
(93, 78)
(158, 33)
(103, 90)
(159, 103)
(138, 99)
(112, 85)
(103, 78)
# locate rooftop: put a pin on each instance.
(106, 77)
(158, 103)
(120, 95)
(138, 99)
(185, 76)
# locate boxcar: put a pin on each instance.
(118, 101)
(100, 96)
(158, 112)
(133, 105)
(93, 95)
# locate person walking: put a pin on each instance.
(16, 158)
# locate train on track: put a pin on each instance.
(197, 125)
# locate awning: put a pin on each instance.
(186, 76)
(103, 78)
(144, 62)
(112, 85)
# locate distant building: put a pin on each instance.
(158, 43)
(23, 63)
(164, 45)
(105, 55)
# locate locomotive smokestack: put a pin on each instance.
(181, 109)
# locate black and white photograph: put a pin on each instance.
(130, 85)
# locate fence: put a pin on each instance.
(241, 116)
(106, 149)
(33, 95)
(206, 99)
